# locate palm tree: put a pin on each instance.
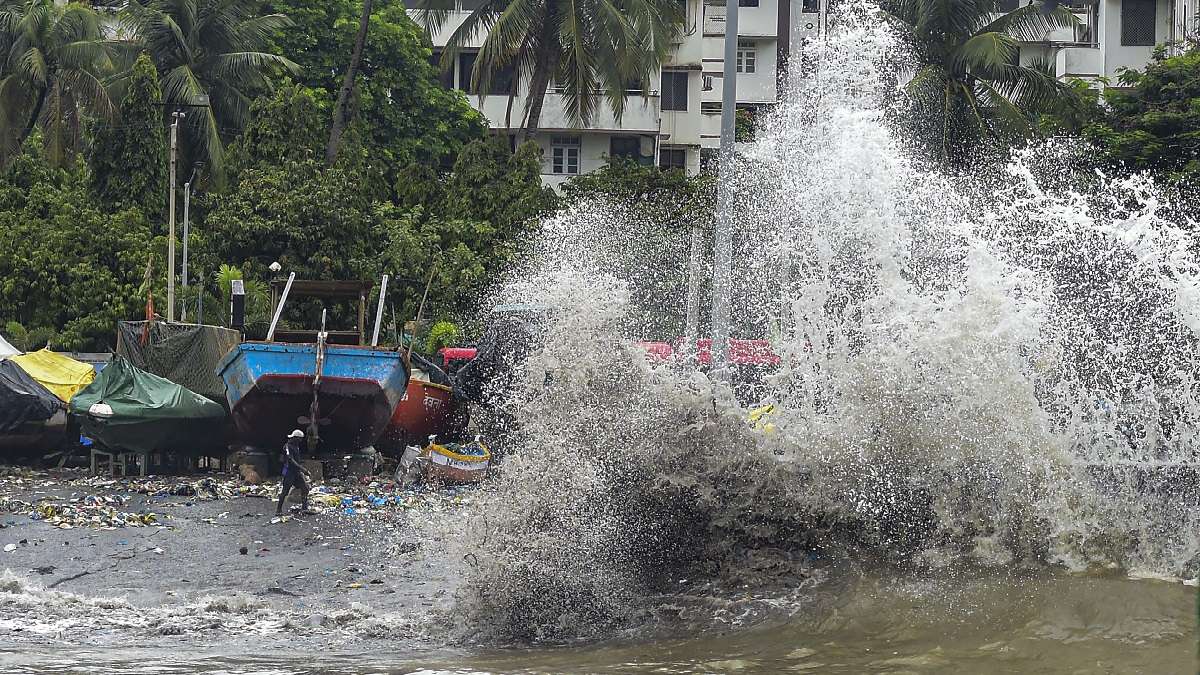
(968, 83)
(210, 51)
(341, 108)
(52, 61)
(592, 49)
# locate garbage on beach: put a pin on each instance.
(69, 498)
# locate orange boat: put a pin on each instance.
(426, 409)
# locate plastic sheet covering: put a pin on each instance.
(62, 375)
(7, 349)
(22, 399)
(186, 354)
(129, 409)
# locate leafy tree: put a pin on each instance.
(471, 232)
(129, 159)
(53, 59)
(284, 205)
(585, 46)
(65, 265)
(969, 86)
(1152, 123)
(407, 117)
(497, 186)
(209, 48)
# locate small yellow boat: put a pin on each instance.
(760, 419)
(453, 463)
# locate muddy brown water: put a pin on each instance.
(967, 623)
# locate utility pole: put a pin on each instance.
(723, 248)
(176, 116)
(187, 193)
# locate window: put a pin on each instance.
(810, 7)
(564, 155)
(672, 158)
(674, 90)
(710, 107)
(747, 57)
(629, 147)
(502, 82)
(1138, 20)
(466, 64)
(747, 3)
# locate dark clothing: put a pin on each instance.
(293, 473)
(292, 457)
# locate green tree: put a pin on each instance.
(406, 116)
(284, 205)
(969, 86)
(494, 185)
(65, 265)
(214, 50)
(469, 232)
(129, 158)
(1152, 123)
(585, 46)
(53, 60)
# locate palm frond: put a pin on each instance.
(985, 51)
(1031, 22)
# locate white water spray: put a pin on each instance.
(975, 370)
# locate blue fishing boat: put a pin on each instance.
(342, 395)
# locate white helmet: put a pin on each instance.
(296, 434)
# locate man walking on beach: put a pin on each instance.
(293, 471)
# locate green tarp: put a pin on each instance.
(131, 410)
(186, 354)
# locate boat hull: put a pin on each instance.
(425, 409)
(269, 387)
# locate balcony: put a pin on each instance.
(641, 114)
(1079, 62)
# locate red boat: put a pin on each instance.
(427, 408)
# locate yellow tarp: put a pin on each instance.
(62, 375)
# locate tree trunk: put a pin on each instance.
(340, 113)
(547, 64)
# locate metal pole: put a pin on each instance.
(379, 311)
(187, 193)
(171, 220)
(283, 300)
(723, 248)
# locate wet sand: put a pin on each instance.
(318, 574)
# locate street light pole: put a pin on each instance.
(723, 247)
(187, 193)
(176, 116)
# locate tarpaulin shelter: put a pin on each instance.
(22, 399)
(60, 374)
(186, 354)
(7, 349)
(131, 410)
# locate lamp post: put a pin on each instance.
(175, 117)
(723, 247)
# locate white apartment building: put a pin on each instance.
(681, 115)
(679, 121)
(1112, 35)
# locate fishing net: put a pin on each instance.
(185, 354)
